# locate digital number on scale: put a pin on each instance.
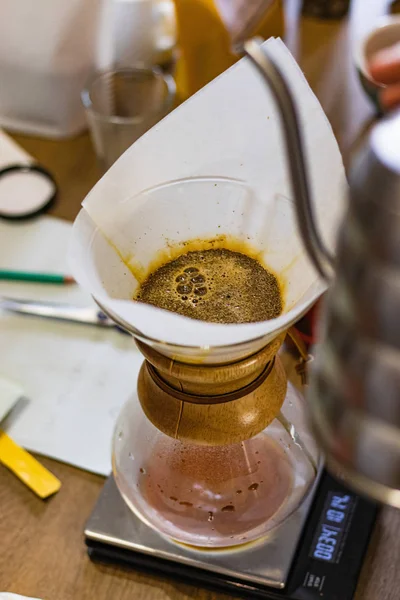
(332, 527)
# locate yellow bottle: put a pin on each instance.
(205, 44)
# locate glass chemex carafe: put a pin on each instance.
(213, 449)
(214, 454)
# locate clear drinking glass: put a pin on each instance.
(121, 105)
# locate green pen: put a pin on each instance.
(34, 277)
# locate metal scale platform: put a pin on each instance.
(317, 553)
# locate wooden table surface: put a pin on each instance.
(42, 550)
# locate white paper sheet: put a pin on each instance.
(75, 377)
(230, 129)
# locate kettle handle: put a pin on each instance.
(319, 255)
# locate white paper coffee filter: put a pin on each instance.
(216, 165)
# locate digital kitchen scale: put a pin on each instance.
(316, 553)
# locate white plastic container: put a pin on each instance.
(46, 53)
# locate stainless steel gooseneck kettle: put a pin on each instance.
(355, 385)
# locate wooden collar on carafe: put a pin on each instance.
(212, 403)
(211, 380)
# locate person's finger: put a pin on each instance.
(390, 97)
(384, 66)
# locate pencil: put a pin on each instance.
(35, 277)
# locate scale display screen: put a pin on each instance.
(333, 525)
